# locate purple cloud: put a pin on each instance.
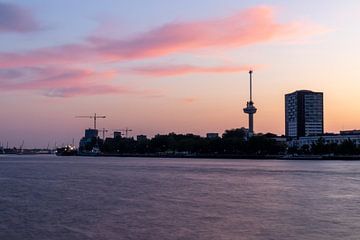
(14, 18)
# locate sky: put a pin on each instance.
(171, 66)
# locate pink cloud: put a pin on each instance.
(65, 82)
(14, 18)
(175, 70)
(189, 100)
(59, 82)
(67, 54)
(99, 89)
(9, 74)
(88, 91)
(250, 26)
(47, 70)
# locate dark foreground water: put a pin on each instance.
(131, 198)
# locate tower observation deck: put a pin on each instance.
(250, 108)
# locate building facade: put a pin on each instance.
(117, 134)
(212, 135)
(304, 114)
(327, 139)
(141, 138)
(91, 133)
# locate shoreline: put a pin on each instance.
(240, 157)
(209, 156)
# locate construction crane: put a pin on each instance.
(104, 131)
(126, 130)
(21, 147)
(95, 117)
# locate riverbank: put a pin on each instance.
(235, 156)
(210, 156)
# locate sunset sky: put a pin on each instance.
(165, 66)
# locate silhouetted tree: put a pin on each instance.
(234, 141)
(262, 145)
(347, 147)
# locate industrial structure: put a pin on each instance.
(250, 109)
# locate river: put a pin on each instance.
(73, 198)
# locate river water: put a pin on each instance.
(73, 198)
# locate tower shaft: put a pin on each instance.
(250, 108)
(251, 123)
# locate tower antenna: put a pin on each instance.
(250, 72)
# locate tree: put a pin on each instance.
(347, 147)
(262, 145)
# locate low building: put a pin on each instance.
(279, 139)
(328, 139)
(212, 135)
(350, 132)
(141, 138)
(117, 134)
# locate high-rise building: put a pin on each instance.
(304, 114)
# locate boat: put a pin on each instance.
(94, 152)
(68, 150)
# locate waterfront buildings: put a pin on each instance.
(350, 132)
(304, 121)
(327, 139)
(304, 114)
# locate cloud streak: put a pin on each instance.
(189, 100)
(14, 18)
(58, 82)
(250, 26)
(177, 70)
(59, 71)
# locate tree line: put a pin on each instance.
(234, 141)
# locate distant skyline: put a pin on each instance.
(171, 66)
